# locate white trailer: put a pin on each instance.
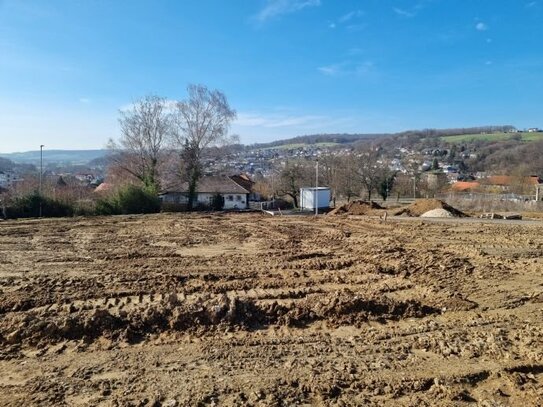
(314, 197)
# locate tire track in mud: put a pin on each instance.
(327, 273)
(291, 311)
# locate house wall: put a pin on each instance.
(231, 201)
(174, 197)
(5, 179)
(235, 201)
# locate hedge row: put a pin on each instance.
(128, 200)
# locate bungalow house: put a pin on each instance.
(509, 180)
(235, 196)
(244, 181)
(511, 184)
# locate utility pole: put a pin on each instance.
(317, 187)
(41, 176)
(273, 188)
(414, 187)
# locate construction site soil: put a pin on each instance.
(245, 309)
(422, 206)
(358, 208)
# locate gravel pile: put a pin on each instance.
(438, 213)
(422, 206)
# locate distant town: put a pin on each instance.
(454, 163)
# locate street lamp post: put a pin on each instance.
(317, 187)
(41, 176)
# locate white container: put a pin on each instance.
(311, 197)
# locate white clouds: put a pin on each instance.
(481, 26)
(349, 20)
(404, 13)
(355, 51)
(414, 10)
(348, 68)
(276, 8)
(267, 126)
(330, 70)
(276, 120)
(351, 15)
(272, 125)
(262, 126)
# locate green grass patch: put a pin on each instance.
(463, 138)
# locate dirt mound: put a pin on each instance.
(421, 206)
(356, 208)
(437, 213)
(202, 314)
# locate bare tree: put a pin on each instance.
(368, 170)
(349, 184)
(403, 186)
(330, 167)
(144, 132)
(295, 175)
(201, 121)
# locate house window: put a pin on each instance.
(238, 198)
(230, 198)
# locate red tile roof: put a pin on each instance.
(464, 186)
(507, 180)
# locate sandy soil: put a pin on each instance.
(244, 309)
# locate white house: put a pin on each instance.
(234, 195)
(314, 197)
(6, 179)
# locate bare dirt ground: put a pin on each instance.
(243, 309)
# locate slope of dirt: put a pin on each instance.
(357, 208)
(421, 206)
(242, 309)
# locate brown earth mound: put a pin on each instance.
(356, 208)
(421, 206)
(200, 313)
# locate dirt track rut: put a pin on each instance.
(249, 310)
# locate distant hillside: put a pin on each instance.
(346, 138)
(322, 139)
(523, 136)
(84, 157)
(57, 156)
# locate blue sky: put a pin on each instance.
(289, 67)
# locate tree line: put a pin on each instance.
(163, 140)
(361, 173)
